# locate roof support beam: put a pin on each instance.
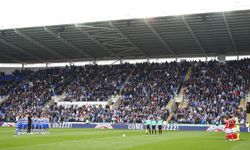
(19, 49)
(105, 37)
(38, 43)
(93, 39)
(193, 35)
(55, 35)
(92, 27)
(151, 28)
(123, 35)
(108, 38)
(230, 33)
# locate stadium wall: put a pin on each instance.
(9, 70)
(174, 127)
(131, 126)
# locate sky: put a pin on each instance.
(29, 13)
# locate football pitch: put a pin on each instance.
(107, 139)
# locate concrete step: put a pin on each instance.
(188, 74)
(183, 104)
(171, 106)
(170, 117)
(179, 98)
(243, 103)
(248, 117)
(54, 99)
(117, 100)
(3, 99)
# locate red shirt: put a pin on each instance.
(227, 124)
(231, 123)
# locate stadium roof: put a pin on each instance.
(206, 34)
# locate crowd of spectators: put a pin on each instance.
(213, 91)
(31, 93)
(96, 83)
(97, 113)
(145, 90)
(150, 88)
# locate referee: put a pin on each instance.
(153, 124)
(148, 128)
(160, 123)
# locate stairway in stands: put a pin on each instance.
(179, 99)
(243, 103)
(247, 106)
(248, 117)
(3, 99)
(116, 101)
(54, 99)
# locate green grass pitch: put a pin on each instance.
(91, 139)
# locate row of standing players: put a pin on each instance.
(152, 125)
(232, 128)
(41, 124)
(31, 124)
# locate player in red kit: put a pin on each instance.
(227, 129)
(232, 126)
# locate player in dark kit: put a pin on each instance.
(148, 123)
(160, 123)
(153, 123)
(29, 124)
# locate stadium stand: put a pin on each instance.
(150, 89)
(214, 90)
(30, 92)
(96, 83)
(148, 86)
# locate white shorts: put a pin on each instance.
(233, 130)
(227, 131)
